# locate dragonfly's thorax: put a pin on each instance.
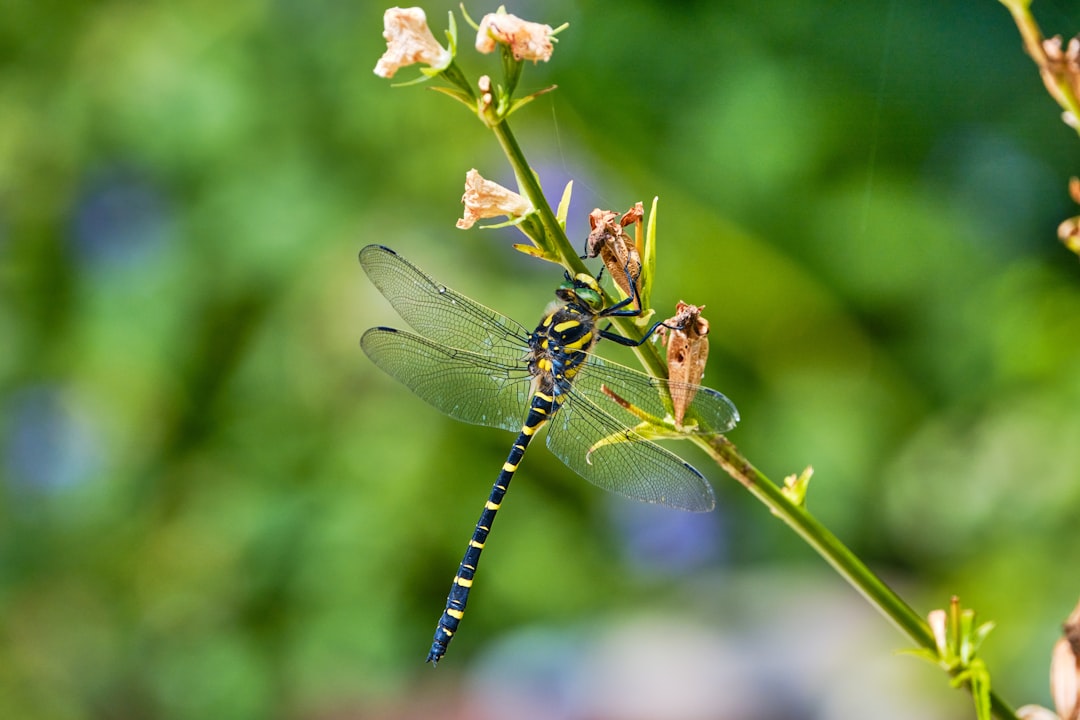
(559, 346)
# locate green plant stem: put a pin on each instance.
(1033, 44)
(1029, 29)
(560, 244)
(727, 456)
(528, 181)
(845, 562)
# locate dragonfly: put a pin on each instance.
(479, 366)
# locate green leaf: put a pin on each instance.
(564, 205)
(451, 32)
(648, 256)
(458, 95)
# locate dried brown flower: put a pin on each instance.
(687, 352)
(608, 241)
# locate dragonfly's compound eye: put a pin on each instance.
(588, 292)
(590, 298)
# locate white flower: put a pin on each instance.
(1064, 676)
(1065, 670)
(409, 41)
(1034, 712)
(486, 199)
(527, 40)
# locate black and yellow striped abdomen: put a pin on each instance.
(540, 411)
(557, 349)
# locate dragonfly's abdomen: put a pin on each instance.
(558, 347)
(540, 410)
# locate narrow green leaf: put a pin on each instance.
(451, 32)
(458, 95)
(648, 256)
(564, 205)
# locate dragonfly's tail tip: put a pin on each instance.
(435, 655)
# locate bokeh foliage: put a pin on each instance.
(212, 505)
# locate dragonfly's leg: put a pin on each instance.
(629, 342)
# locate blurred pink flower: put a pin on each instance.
(1064, 676)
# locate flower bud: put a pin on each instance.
(939, 626)
(486, 101)
(1069, 229)
(1069, 233)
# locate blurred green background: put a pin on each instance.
(213, 505)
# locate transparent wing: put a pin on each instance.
(714, 413)
(437, 312)
(467, 386)
(610, 455)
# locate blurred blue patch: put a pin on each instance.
(673, 542)
(120, 218)
(1007, 189)
(47, 448)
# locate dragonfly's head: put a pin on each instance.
(581, 290)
